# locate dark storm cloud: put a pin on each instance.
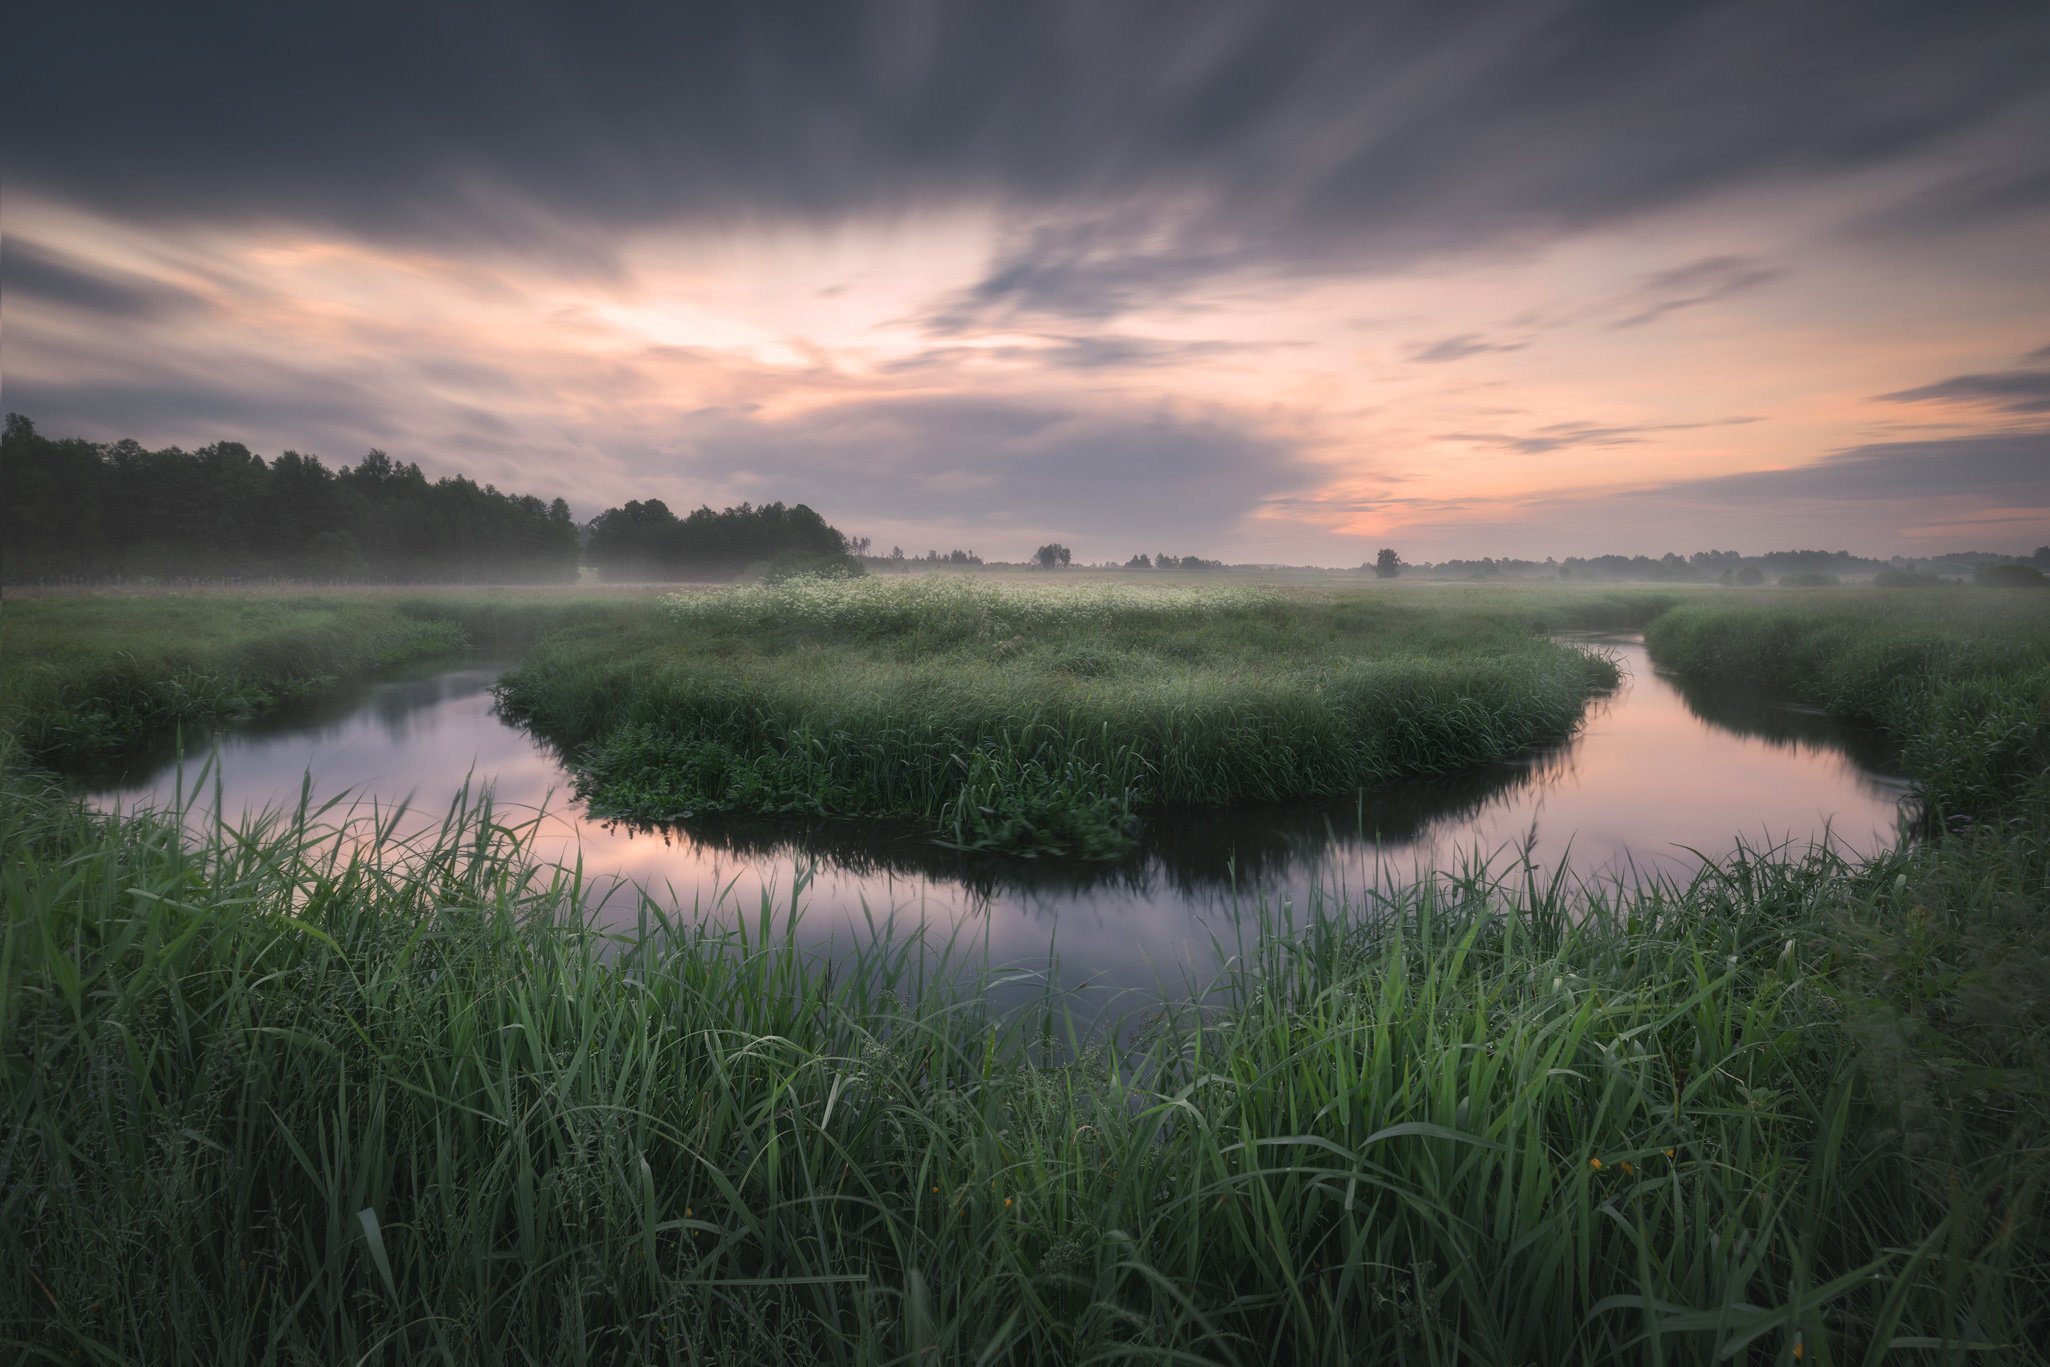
(32, 270)
(1186, 139)
(1006, 465)
(2011, 391)
(1566, 436)
(1459, 348)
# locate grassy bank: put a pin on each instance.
(86, 675)
(1037, 718)
(275, 1097)
(1961, 683)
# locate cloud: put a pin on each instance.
(1993, 195)
(1564, 436)
(30, 269)
(1296, 134)
(1103, 351)
(1877, 499)
(2011, 391)
(1696, 283)
(997, 468)
(2041, 353)
(2011, 469)
(1459, 348)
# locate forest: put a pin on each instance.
(76, 511)
(72, 511)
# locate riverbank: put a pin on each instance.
(1038, 719)
(277, 1094)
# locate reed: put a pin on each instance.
(299, 1089)
(1960, 680)
(1038, 719)
(306, 1088)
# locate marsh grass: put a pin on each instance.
(303, 1089)
(1037, 719)
(1959, 680)
(308, 1089)
(88, 676)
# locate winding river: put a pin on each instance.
(1661, 774)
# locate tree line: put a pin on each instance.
(73, 510)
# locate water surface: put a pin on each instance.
(1661, 774)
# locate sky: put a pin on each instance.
(1280, 282)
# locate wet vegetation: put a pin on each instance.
(301, 1090)
(1035, 720)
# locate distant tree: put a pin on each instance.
(2014, 575)
(896, 552)
(1163, 561)
(644, 540)
(1750, 577)
(1141, 561)
(858, 545)
(1051, 555)
(1387, 564)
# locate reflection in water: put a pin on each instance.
(1193, 851)
(1659, 771)
(1748, 712)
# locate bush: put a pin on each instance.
(2014, 575)
(812, 565)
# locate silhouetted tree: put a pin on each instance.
(1051, 555)
(1387, 564)
(644, 540)
(78, 510)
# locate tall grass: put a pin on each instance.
(1960, 682)
(1034, 719)
(300, 1090)
(86, 676)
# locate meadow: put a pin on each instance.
(283, 1092)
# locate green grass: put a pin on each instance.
(1960, 680)
(1042, 719)
(288, 1093)
(85, 676)
(277, 1097)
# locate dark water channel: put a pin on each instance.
(1661, 771)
